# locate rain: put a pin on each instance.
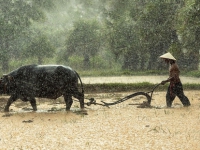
(115, 47)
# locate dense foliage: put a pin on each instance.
(99, 34)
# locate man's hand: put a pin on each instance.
(163, 82)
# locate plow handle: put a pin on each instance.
(153, 89)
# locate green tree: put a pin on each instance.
(120, 33)
(188, 26)
(156, 27)
(40, 47)
(84, 40)
(15, 17)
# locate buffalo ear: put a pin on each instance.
(1, 79)
(5, 76)
(9, 78)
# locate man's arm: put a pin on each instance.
(168, 80)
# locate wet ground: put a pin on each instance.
(122, 126)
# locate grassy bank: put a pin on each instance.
(94, 73)
(135, 87)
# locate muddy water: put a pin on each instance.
(121, 126)
(135, 79)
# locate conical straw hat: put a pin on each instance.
(167, 56)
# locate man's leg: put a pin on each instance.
(169, 97)
(179, 92)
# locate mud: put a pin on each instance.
(122, 126)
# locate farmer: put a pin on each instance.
(175, 88)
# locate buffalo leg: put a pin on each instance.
(68, 101)
(33, 104)
(10, 101)
(80, 97)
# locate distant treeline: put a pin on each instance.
(99, 34)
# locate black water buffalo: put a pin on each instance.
(42, 81)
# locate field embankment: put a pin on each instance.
(133, 83)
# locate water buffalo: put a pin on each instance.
(42, 81)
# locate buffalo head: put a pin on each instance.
(5, 84)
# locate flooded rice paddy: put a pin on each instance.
(122, 126)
